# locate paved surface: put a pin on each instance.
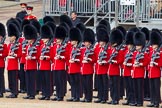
(9, 10)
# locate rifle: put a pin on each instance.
(76, 52)
(156, 55)
(141, 54)
(89, 51)
(32, 49)
(61, 49)
(15, 46)
(2, 42)
(47, 48)
(129, 55)
(103, 54)
(116, 52)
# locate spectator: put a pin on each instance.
(74, 18)
(23, 12)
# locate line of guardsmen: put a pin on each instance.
(49, 55)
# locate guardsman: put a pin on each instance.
(88, 60)
(30, 15)
(116, 58)
(3, 55)
(14, 53)
(102, 56)
(31, 63)
(155, 69)
(45, 59)
(75, 64)
(23, 12)
(140, 61)
(127, 67)
(59, 62)
(146, 79)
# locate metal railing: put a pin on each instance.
(144, 10)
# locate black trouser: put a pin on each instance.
(129, 89)
(138, 88)
(95, 82)
(102, 81)
(114, 87)
(146, 86)
(38, 81)
(31, 82)
(46, 82)
(13, 81)
(60, 83)
(87, 84)
(22, 77)
(75, 85)
(155, 90)
(2, 84)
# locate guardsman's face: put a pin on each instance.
(1, 37)
(30, 41)
(138, 48)
(114, 45)
(154, 47)
(74, 42)
(45, 40)
(87, 44)
(129, 46)
(102, 43)
(12, 39)
(58, 41)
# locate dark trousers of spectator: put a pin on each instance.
(87, 84)
(138, 88)
(13, 81)
(129, 89)
(114, 87)
(75, 85)
(22, 77)
(46, 82)
(31, 82)
(146, 86)
(102, 81)
(155, 90)
(2, 81)
(60, 83)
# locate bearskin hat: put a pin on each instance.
(48, 19)
(2, 30)
(134, 29)
(89, 36)
(139, 39)
(157, 30)
(66, 19)
(19, 20)
(60, 32)
(15, 21)
(101, 26)
(146, 32)
(102, 35)
(46, 32)
(81, 27)
(13, 30)
(30, 32)
(65, 25)
(24, 22)
(129, 38)
(75, 34)
(36, 24)
(107, 24)
(52, 26)
(155, 38)
(123, 30)
(116, 36)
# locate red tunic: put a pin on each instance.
(32, 64)
(87, 68)
(13, 63)
(155, 71)
(46, 63)
(3, 53)
(30, 17)
(139, 72)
